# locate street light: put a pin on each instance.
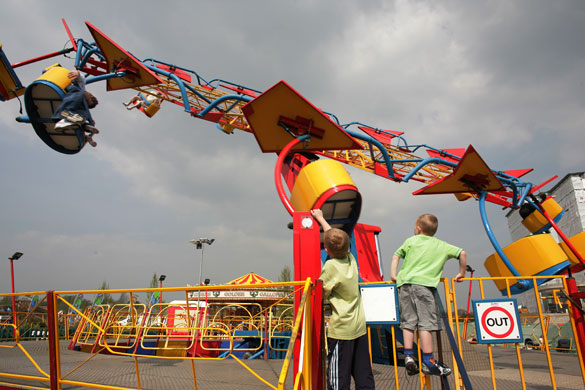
(199, 245)
(15, 256)
(160, 279)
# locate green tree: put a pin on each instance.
(285, 274)
(108, 300)
(62, 306)
(153, 284)
(124, 298)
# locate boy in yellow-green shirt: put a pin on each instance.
(347, 333)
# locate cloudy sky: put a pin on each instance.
(507, 77)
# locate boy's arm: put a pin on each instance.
(73, 75)
(328, 281)
(76, 75)
(462, 266)
(394, 267)
(318, 215)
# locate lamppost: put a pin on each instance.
(15, 256)
(199, 245)
(160, 279)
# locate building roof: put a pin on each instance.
(568, 175)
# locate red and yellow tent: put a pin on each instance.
(257, 292)
(250, 278)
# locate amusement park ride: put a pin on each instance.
(312, 145)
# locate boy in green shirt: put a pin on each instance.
(424, 258)
(347, 334)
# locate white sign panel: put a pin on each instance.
(380, 303)
(245, 294)
(497, 321)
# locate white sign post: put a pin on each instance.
(497, 321)
(380, 303)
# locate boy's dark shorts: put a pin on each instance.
(418, 308)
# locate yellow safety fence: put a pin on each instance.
(187, 331)
(518, 346)
(490, 366)
(181, 333)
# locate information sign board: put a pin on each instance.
(497, 321)
(380, 303)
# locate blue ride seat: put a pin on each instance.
(41, 99)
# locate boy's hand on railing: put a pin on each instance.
(459, 276)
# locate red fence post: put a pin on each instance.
(318, 334)
(577, 314)
(53, 327)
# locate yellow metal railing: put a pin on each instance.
(164, 331)
(389, 349)
(133, 330)
(543, 319)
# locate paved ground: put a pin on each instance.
(165, 374)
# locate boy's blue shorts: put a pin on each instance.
(418, 308)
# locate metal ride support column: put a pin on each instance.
(307, 263)
(523, 284)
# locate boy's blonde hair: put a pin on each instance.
(428, 224)
(336, 242)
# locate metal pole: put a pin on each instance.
(43, 57)
(13, 298)
(468, 302)
(200, 273)
(160, 296)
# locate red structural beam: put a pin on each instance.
(44, 57)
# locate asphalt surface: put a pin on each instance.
(170, 374)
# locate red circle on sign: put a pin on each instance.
(507, 313)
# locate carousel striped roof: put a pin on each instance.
(250, 278)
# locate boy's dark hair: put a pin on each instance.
(336, 242)
(428, 224)
(91, 100)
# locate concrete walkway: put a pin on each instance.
(167, 374)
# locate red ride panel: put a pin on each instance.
(368, 256)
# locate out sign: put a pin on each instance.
(496, 321)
